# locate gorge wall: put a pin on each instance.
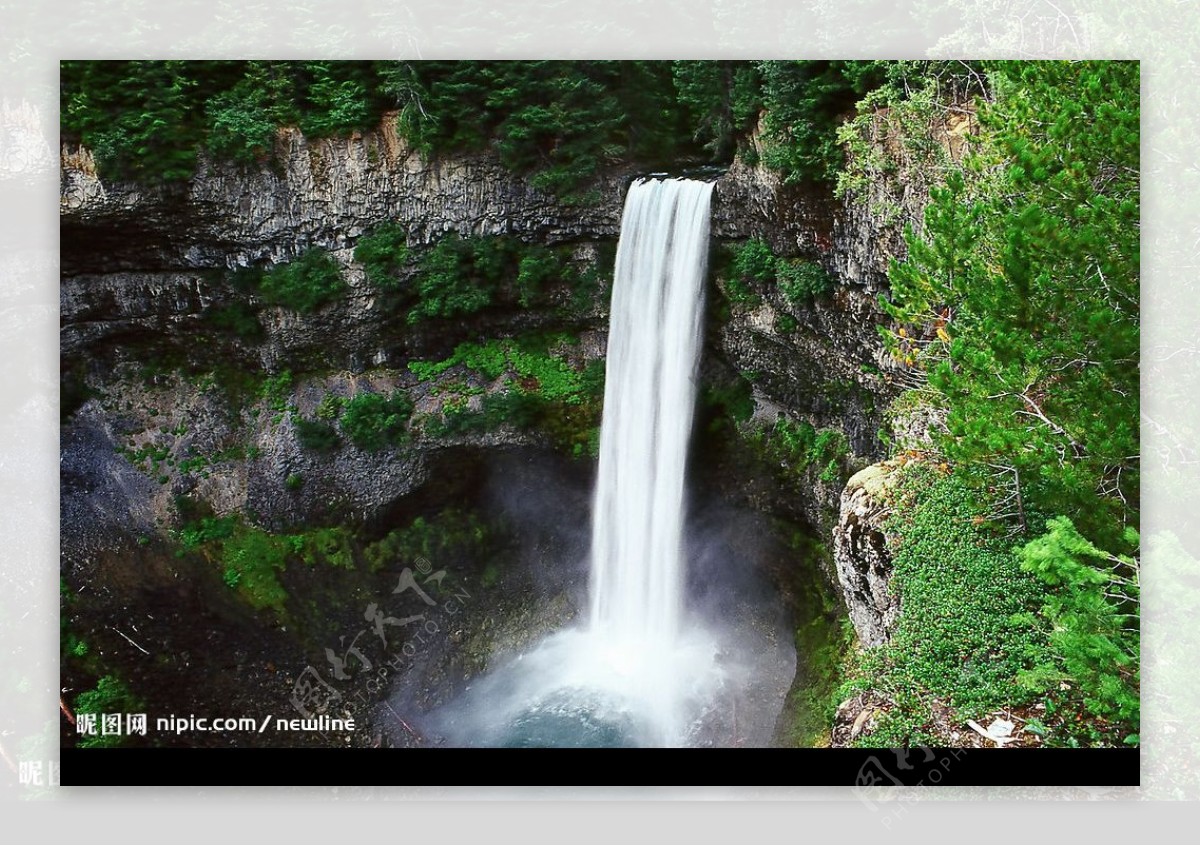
(143, 269)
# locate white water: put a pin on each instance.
(636, 645)
(650, 390)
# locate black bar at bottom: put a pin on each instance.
(293, 767)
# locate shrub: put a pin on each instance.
(536, 268)
(755, 265)
(331, 546)
(442, 539)
(735, 399)
(303, 285)
(330, 406)
(754, 261)
(316, 436)
(802, 281)
(383, 254)
(1091, 613)
(458, 276)
(242, 121)
(372, 422)
(237, 318)
(964, 637)
(337, 98)
(207, 530)
(543, 390)
(252, 560)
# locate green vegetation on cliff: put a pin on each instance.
(557, 122)
(1018, 325)
(383, 253)
(1020, 296)
(962, 639)
(372, 421)
(111, 695)
(542, 388)
(251, 560)
(753, 267)
(796, 446)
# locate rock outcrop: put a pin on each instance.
(861, 556)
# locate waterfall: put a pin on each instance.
(638, 673)
(637, 568)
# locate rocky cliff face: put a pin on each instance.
(137, 259)
(142, 269)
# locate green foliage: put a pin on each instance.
(823, 637)
(804, 102)
(802, 281)
(559, 122)
(527, 359)
(207, 530)
(755, 266)
(898, 142)
(1018, 303)
(459, 276)
(538, 267)
(329, 546)
(146, 120)
(1091, 616)
(541, 389)
(136, 117)
(383, 254)
(243, 120)
(303, 285)
(316, 435)
(810, 118)
(754, 261)
(277, 390)
(734, 400)
(963, 638)
(721, 101)
(373, 422)
(797, 446)
(237, 318)
(337, 98)
(443, 539)
(293, 482)
(329, 407)
(111, 695)
(513, 408)
(252, 560)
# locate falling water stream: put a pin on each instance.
(650, 391)
(638, 672)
